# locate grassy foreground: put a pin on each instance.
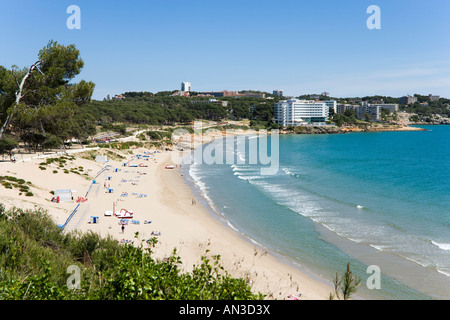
(37, 261)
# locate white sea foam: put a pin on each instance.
(242, 177)
(255, 242)
(445, 273)
(241, 171)
(377, 247)
(232, 226)
(289, 172)
(443, 246)
(354, 240)
(421, 263)
(193, 172)
(241, 156)
(237, 230)
(242, 167)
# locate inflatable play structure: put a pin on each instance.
(81, 199)
(124, 214)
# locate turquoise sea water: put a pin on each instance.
(365, 198)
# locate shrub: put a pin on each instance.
(345, 286)
(7, 185)
(36, 254)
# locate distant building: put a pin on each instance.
(234, 94)
(217, 93)
(408, 100)
(374, 112)
(278, 92)
(361, 112)
(294, 112)
(392, 107)
(433, 98)
(325, 93)
(181, 93)
(186, 86)
(342, 107)
(331, 104)
(119, 97)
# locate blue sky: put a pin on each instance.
(298, 46)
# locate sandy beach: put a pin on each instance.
(162, 204)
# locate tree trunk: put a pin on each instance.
(19, 95)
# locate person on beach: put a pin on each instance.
(123, 228)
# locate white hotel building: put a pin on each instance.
(294, 112)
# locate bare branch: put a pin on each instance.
(15, 78)
(20, 94)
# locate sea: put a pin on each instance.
(379, 201)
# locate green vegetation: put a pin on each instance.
(426, 108)
(346, 285)
(38, 103)
(7, 146)
(159, 135)
(164, 109)
(35, 256)
(348, 118)
(10, 182)
(60, 162)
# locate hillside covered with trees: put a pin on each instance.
(165, 109)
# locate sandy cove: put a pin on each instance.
(161, 196)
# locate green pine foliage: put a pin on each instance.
(35, 255)
(346, 285)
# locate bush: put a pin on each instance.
(7, 185)
(36, 254)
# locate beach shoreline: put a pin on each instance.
(241, 258)
(163, 197)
